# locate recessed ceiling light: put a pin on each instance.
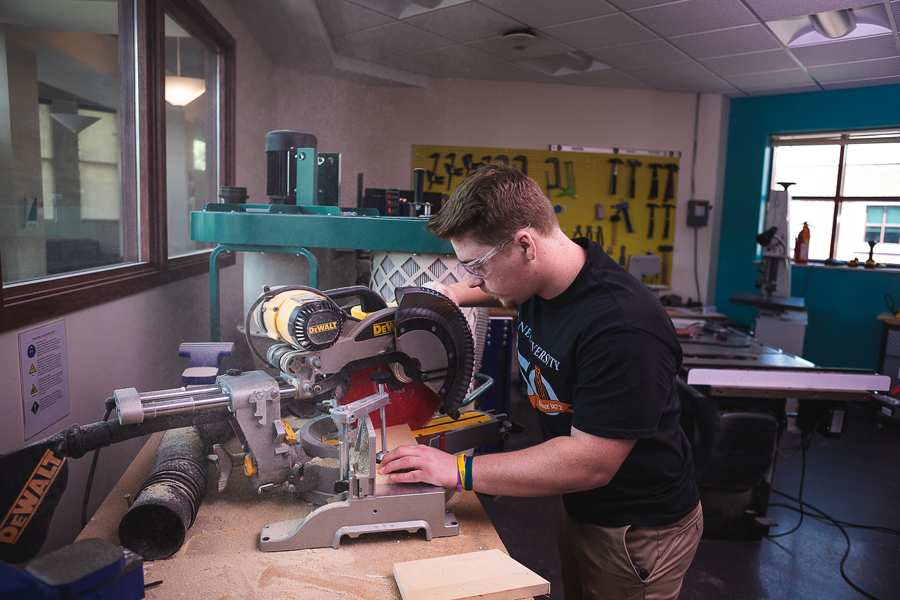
(834, 25)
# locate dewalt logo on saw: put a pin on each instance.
(314, 329)
(383, 328)
(30, 498)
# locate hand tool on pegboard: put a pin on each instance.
(664, 271)
(569, 190)
(622, 255)
(598, 211)
(634, 164)
(577, 233)
(588, 232)
(622, 210)
(557, 182)
(615, 221)
(668, 208)
(672, 168)
(652, 208)
(615, 162)
(654, 181)
(600, 236)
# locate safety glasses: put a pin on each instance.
(481, 267)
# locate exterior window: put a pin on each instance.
(847, 188)
(101, 164)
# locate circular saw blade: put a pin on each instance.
(430, 328)
(414, 404)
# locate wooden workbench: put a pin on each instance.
(221, 560)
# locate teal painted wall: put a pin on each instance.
(842, 303)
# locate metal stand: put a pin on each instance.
(361, 506)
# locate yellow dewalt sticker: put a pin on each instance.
(383, 328)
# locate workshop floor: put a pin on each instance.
(854, 479)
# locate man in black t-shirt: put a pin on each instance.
(600, 357)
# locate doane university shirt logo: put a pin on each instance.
(542, 395)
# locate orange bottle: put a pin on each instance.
(801, 248)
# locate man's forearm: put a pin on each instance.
(553, 467)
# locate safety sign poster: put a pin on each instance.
(45, 376)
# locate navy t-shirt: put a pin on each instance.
(602, 357)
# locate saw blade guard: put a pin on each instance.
(426, 320)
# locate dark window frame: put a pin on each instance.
(842, 138)
(51, 297)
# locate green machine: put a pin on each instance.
(303, 187)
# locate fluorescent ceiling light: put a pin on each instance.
(559, 65)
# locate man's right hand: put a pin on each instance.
(443, 289)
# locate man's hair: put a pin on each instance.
(494, 202)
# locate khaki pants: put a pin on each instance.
(647, 563)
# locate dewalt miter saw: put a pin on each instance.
(343, 352)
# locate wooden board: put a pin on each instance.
(490, 575)
(397, 435)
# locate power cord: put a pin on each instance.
(805, 442)
(110, 405)
(840, 525)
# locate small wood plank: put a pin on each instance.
(397, 435)
(487, 575)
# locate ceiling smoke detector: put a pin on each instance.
(520, 40)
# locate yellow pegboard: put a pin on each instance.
(579, 184)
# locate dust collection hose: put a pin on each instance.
(165, 507)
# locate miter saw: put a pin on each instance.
(344, 352)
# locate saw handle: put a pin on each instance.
(369, 299)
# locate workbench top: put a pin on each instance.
(220, 558)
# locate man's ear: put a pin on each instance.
(527, 243)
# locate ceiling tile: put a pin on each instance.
(465, 22)
(770, 10)
(607, 78)
(453, 61)
(809, 87)
(633, 4)
(865, 69)
(680, 77)
(837, 52)
(642, 54)
(693, 16)
(543, 14)
(508, 72)
(838, 85)
(771, 80)
(600, 32)
(342, 17)
(754, 62)
(396, 39)
(734, 40)
(543, 46)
